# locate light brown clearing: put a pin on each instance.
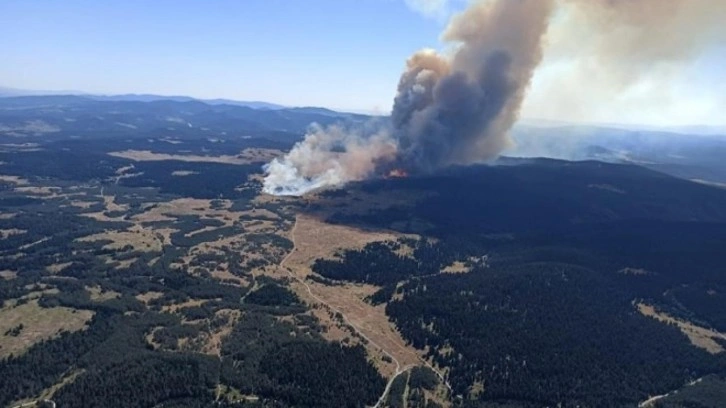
(149, 296)
(5, 233)
(182, 173)
(225, 275)
(8, 274)
(213, 340)
(38, 324)
(456, 267)
(633, 271)
(699, 336)
(138, 237)
(83, 204)
(167, 211)
(188, 303)
(46, 191)
(58, 267)
(314, 239)
(99, 295)
(260, 214)
(253, 155)
(110, 203)
(15, 180)
(146, 155)
(99, 216)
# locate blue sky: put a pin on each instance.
(344, 54)
(337, 53)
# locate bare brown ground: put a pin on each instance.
(456, 267)
(98, 295)
(246, 156)
(699, 336)
(8, 275)
(167, 211)
(110, 202)
(314, 239)
(44, 191)
(58, 267)
(82, 204)
(213, 341)
(225, 275)
(149, 296)
(188, 303)
(138, 237)
(19, 181)
(182, 173)
(5, 233)
(260, 154)
(38, 324)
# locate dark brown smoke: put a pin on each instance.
(457, 109)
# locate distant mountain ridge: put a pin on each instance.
(55, 117)
(12, 92)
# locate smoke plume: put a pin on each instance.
(458, 107)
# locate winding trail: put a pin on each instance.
(399, 370)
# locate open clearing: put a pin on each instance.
(246, 156)
(139, 238)
(37, 324)
(699, 336)
(314, 239)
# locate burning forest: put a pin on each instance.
(458, 107)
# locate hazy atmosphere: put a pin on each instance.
(348, 55)
(362, 204)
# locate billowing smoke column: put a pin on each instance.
(450, 109)
(457, 108)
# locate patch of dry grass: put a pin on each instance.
(182, 173)
(247, 156)
(456, 267)
(37, 324)
(149, 296)
(5, 233)
(316, 239)
(138, 237)
(18, 181)
(699, 336)
(58, 267)
(97, 294)
(8, 274)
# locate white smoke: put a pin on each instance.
(329, 156)
(458, 108)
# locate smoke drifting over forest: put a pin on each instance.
(458, 108)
